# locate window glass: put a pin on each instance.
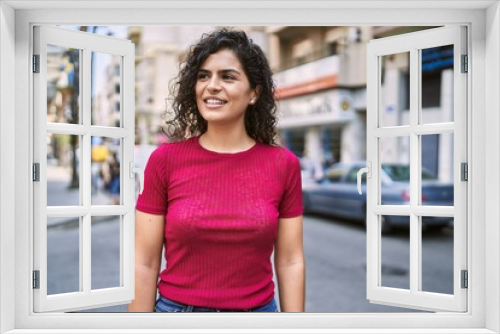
(106, 176)
(63, 255)
(106, 258)
(106, 81)
(437, 163)
(394, 90)
(395, 252)
(395, 170)
(63, 169)
(437, 254)
(437, 84)
(402, 173)
(63, 85)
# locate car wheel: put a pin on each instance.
(386, 225)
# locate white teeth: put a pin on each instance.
(213, 101)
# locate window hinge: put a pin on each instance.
(36, 279)
(465, 279)
(36, 172)
(36, 63)
(465, 64)
(464, 171)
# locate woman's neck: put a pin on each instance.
(226, 141)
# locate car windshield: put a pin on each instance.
(402, 173)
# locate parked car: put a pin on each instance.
(337, 194)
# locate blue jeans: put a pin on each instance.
(167, 305)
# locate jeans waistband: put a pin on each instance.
(166, 305)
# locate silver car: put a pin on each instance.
(336, 194)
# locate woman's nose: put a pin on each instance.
(214, 84)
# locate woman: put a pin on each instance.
(222, 196)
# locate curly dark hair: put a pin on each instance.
(260, 118)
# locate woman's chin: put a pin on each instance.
(212, 116)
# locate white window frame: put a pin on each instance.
(483, 21)
(85, 297)
(414, 296)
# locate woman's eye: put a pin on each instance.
(202, 76)
(228, 77)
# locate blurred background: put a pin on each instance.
(320, 75)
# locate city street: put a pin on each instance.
(335, 259)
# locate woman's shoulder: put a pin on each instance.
(281, 153)
(166, 150)
(173, 147)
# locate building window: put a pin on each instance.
(295, 141)
(333, 49)
(431, 90)
(434, 62)
(332, 145)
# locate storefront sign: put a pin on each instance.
(329, 107)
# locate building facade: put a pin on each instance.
(320, 74)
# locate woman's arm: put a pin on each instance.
(289, 264)
(149, 231)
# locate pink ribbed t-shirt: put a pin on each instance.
(221, 219)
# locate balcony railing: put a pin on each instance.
(311, 56)
(310, 71)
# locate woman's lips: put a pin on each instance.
(214, 103)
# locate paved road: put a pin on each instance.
(335, 259)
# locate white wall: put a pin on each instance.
(363, 322)
(7, 218)
(492, 153)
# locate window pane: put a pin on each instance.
(63, 180)
(63, 85)
(437, 254)
(395, 170)
(395, 89)
(105, 252)
(437, 169)
(395, 260)
(437, 84)
(106, 88)
(106, 182)
(63, 255)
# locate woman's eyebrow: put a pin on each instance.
(229, 70)
(225, 71)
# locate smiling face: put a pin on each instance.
(223, 90)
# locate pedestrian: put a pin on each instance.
(114, 184)
(222, 195)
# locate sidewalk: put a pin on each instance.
(59, 194)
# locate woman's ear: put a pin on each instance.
(257, 91)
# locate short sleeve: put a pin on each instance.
(291, 203)
(154, 196)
